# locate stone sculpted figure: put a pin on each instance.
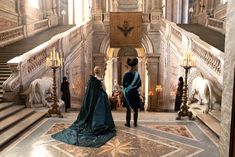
(203, 90)
(38, 90)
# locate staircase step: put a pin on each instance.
(15, 118)
(1, 91)
(5, 75)
(4, 65)
(5, 105)
(10, 110)
(216, 114)
(4, 78)
(210, 122)
(20, 127)
(4, 69)
(2, 73)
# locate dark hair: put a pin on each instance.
(132, 62)
(181, 79)
(64, 78)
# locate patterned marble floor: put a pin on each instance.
(152, 138)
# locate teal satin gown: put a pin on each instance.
(94, 125)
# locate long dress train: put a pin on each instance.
(94, 125)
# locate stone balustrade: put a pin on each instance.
(176, 33)
(41, 24)
(209, 58)
(11, 35)
(14, 34)
(216, 24)
(32, 64)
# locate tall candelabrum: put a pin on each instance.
(54, 62)
(187, 62)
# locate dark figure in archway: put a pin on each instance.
(179, 93)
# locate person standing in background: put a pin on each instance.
(179, 94)
(131, 84)
(65, 93)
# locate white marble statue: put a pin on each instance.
(38, 90)
(203, 92)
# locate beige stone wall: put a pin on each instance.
(8, 14)
(30, 13)
(228, 89)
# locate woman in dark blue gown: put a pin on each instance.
(94, 125)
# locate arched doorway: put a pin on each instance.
(147, 66)
(123, 55)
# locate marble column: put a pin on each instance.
(97, 6)
(107, 10)
(185, 11)
(18, 10)
(111, 5)
(156, 11)
(151, 65)
(146, 6)
(141, 70)
(169, 10)
(115, 69)
(54, 6)
(228, 83)
(58, 7)
(108, 78)
(97, 10)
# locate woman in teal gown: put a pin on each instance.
(94, 125)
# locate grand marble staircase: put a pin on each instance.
(20, 47)
(5, 71)
(14, 119)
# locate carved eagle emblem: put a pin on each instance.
(126, 29)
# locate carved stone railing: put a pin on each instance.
(213, 60)
(176, 33)
(14, 34)
(37, 27)
(41, 24)
(11, 35)
(32, 64)
(209, 58)
(216, 24)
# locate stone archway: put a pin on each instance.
(149, 62)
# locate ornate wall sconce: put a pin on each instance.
(186, 62)
(54, 62)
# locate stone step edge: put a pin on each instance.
(217, 132)
(13, 119)
(5, 105)
(15, 108)
(20, 127)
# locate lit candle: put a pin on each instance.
(54, 54)
(50, 55)
(57, 59)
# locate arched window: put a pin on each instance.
(34, 4)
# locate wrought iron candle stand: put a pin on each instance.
(187, 63)
(54, 62)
